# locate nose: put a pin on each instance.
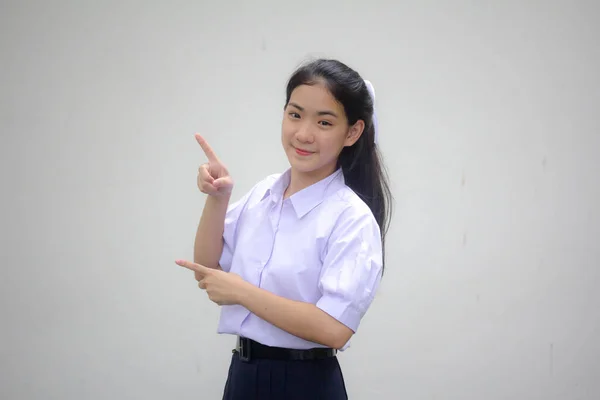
(305, 133)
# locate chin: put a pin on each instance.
(309, 165)
(302, 166)
(309, 168)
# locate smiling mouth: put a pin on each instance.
(303, 152)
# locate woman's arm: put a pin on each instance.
(214, 180)
(208, 244)
(300, 319)
(304, 320)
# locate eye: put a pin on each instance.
(325, 123)
(294, 115)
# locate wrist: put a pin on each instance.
(221, 197)
(244, 293)
(217, 203)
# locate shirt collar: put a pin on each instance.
(309, 197)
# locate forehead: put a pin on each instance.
(315, 98)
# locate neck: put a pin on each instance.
(301, 180)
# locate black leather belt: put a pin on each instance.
(249, 349)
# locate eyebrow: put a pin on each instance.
(326, 112)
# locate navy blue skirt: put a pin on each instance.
(260, 379)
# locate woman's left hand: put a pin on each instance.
(223, 288)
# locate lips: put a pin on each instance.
(303, 152)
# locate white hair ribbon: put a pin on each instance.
(372, 93)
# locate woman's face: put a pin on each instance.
(315, 130)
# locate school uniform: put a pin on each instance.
(321, 245)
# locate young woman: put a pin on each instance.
(296, 263)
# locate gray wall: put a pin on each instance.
(489, 126)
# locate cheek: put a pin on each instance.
(334, 141)
(286, 131)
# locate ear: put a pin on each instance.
(354, 133)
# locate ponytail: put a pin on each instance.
(365, 174)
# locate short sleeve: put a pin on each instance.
(232, 217)
(352, 269)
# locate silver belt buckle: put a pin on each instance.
(244, 349)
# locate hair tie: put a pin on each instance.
(371, 90)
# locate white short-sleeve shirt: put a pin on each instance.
(321, 245)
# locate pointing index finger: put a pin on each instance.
(210, 154)
(193, 266)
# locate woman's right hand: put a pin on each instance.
(213, 177)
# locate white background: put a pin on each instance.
(489, 118)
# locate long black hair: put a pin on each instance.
(361, 163)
